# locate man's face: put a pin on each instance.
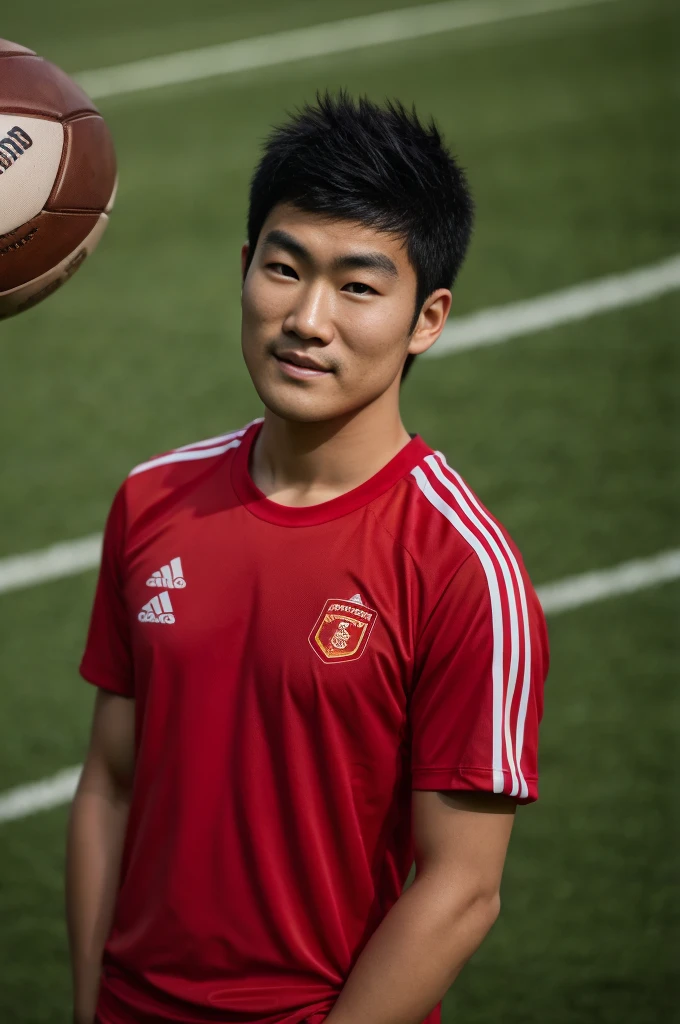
(327, 306)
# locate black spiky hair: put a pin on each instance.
(381, 167)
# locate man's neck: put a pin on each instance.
(300, 464)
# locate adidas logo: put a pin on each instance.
(355, 600)
(168, 576)
(158, 609)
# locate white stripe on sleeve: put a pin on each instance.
(496, 618)
(510, 683)
(526, 680)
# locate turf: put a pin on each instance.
(564, 124)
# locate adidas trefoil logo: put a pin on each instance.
(356, 599)
(168, 576)
(158, 609)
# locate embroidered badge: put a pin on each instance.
(342, 630)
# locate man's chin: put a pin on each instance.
(298, 407)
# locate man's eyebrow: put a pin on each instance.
(366, 261)
(352, 261)
(282, 240)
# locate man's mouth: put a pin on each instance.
(299, 366)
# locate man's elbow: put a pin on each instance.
(491, 908)
(483, 906)
(468, 921)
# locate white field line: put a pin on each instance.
(315, 41)
(501, 323)
(485, 328)
(573, 592)
(66, 559)
(39, 796)
(576, 591)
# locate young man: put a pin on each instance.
(318, 655)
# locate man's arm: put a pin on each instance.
(414, 955)
(96, 831)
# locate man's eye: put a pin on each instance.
(358, 284)
(285, 271)
(284, 267)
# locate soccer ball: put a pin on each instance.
(57, 178)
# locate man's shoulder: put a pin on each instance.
(195, 451)
(155, 478)
(441, 521)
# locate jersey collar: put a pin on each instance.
(312, 515)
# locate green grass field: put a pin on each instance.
(565, 124)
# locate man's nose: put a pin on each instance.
(311, 316)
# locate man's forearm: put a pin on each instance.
(414, 955)
(96, 833)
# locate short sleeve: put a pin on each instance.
(107, 661)
(477, 699)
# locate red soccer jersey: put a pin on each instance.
(297, 672)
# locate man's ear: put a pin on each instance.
(431, 321)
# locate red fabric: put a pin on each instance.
(270, 829)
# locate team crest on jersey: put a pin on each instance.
(342, 630)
